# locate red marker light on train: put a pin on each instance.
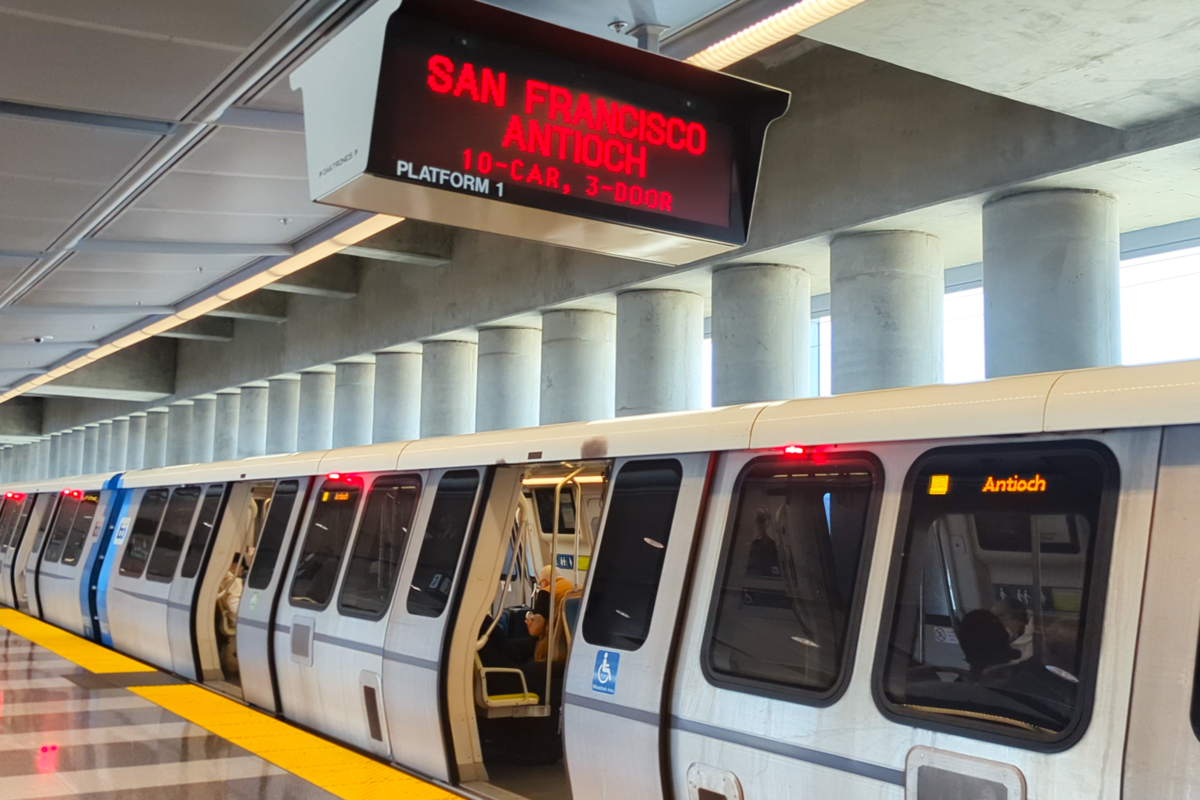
(334, 476)
(343, 477)
(794, 450)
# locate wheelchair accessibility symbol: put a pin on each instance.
(604, 679)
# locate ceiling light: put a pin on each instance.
(769, 31)
(351, 236)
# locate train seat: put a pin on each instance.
(503, 703)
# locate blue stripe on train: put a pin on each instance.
(94, 591)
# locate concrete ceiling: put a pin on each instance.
(1107, 61)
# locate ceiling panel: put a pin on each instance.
(280, 97)
(65, 328)
(170, 286)
(239, 151)
(138, 294)
(97, 70)
(229, 194)
(52, 199)
(141, 263)
(234, 23)
(595, 16)
(52, 151)
(234, 228)
(28, 234)
(19, 356)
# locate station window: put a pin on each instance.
(784, 607)
(274, 530)
(60, 528)
(1001, 569)
(172, 533)
(544, 497)
(206, 523)
(325, 543)
(440, 550)
(141, 535)
(80, 527)
(629, 564)
(379, 548)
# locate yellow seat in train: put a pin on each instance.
(501, 705)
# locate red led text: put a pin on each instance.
(484, 87)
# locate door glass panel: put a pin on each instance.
(80, 528)
(629, 564)
(62, 527)
(791, 570)
(325, 543)
(379, 548)
(444, 534)
(206, 523)
(141, 536)
(14, 536)
(273, 532)
(43, 524)
(1016, 543)
(8, 520)
(171, 535)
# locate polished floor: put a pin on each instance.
(119, 730)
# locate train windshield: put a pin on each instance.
(1000, 594)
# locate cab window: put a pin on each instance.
(62, 526)
(73, 548)
(784, 605)
(325, 542)
(999, 592)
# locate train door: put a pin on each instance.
(1163, 752)
(186, 620)
(256, 655)
(61, 573)
(12, 525)
(422, 615)
(30, 551)
(620, 658)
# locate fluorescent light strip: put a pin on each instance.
(770, 31)
(347, 238)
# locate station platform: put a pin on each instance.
(80, 720)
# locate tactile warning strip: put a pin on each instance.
(88, 655)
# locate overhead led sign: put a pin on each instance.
(486, 119)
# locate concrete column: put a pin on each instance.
(43, 454)
(660, 346)
(6, 464)
(179, 433)
(887, 290)
(56, 456)
(1051, 282)
(75, 467)
(225, 426)
(91, 442)
(119, 449)
(29, 459)
(135, 451)
(353, 403)
(448, 384)
(397, 395)
(103, 446)
(509, 375)
(204, 420)
(157, 426)
(252, 421)
(315, 428)
(761, 317)
(283, 414)
(579, 361)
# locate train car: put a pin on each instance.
(929, 593)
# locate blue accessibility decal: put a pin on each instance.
(604, 679)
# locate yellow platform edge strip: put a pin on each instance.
(342, 772)
(89, 655)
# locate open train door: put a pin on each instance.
(620, 657)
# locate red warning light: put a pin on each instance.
(342, 477)
(18, 496)
(794, 450)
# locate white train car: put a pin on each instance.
(974, 591)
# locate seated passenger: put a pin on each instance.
(229, 600)
(537, 623)
(1013, 614)
(984, 641)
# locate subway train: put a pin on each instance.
(935, 593)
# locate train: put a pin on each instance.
(959, 591)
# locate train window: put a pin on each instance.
(1000, 642)
(273, 531)
(783, 611)
(8, 520)
(627, 569)
(206, 523)
(60, 528)
(444, 534)
(80, 528)
(544, 497)
(19, 523)
(172, 533)
(141, 535)
(379, 548)
(43, 526)
(325, 542)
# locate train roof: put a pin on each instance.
(1111, 397)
